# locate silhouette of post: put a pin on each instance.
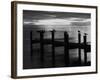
(53, 47)
(85, 53)
(31, 50)
(42, 47)
(66, 48)
(79, 47)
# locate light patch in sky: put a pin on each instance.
(52, 22)
(56, 21)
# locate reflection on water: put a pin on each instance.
(59, 57)
(72, 52)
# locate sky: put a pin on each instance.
(56, 18)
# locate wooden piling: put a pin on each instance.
(31, 50)
(66, 48)
(85, 53)
(41, 47)
(79, 47)
(53, 47)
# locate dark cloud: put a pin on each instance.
(37, 15)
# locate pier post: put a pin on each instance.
(66, 48)
(85, 53)
(53, 47)
(79, 47)
(31, 50)
(42, 47)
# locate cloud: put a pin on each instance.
(52, 22)
(77, 19)
(80, 23)
(58, 22)
(85, 22)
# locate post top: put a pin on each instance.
(53, 30)
(85, 34)
(78, 31)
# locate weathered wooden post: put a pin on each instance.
(42, 47)
(79, 47)
(66, 48)
(53, 47)
(31, 50)
(85, 53)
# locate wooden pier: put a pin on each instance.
(56, 43)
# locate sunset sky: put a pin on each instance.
(56, 18)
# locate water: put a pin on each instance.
(35, 62)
